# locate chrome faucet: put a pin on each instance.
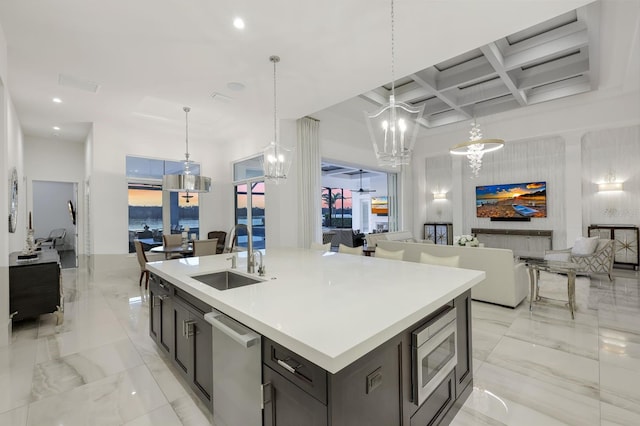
(261, 269)
(232, 241)
(232, 258)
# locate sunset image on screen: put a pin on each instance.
(512, 200)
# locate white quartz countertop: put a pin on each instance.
(329, 308)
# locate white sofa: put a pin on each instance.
(372, 239)
(507, 283)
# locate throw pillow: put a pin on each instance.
(584, 246)
(453, 261)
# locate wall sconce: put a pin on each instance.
(439, 196)
(610, 186)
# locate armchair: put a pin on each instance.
(598, 262)
(55, 238)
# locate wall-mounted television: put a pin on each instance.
(512, 201)
(379, 206)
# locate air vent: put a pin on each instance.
(536, 30)
(221, 98)
(555, 58)
(78, 83)
(555, 82)
(477, 83)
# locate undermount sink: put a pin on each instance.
(225, 280)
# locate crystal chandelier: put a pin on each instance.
(276, 159)
(187, 181)
(476, 147)
(393, 128)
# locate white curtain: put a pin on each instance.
(308, 164)
(392, 200)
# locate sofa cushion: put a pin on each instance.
(453, 261)
(559, 257)
(584, 246)
(389, 254)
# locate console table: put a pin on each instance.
(35, 286)
(525, 243)
(626, 242)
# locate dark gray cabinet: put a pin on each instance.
(177, 325)
(288, 405)
(34, 285)
(464, 367)
(193, 348)
(161, 314)
(298, 392)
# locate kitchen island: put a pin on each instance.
(338, 313)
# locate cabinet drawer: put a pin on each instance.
(159, 285)
(301, 372)
(193, 302)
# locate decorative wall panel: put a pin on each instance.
(611, 154)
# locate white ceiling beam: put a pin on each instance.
(495, 58)
(375, 98)
(427, 80)
(590, 15)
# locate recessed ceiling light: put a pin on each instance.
(56, 128)
(235, 86)
(238, 23)
(57, 100)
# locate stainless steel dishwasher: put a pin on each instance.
(237, 372)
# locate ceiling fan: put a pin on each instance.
(362, 191)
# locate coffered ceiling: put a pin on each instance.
(547, 61)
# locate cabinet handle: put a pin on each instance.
(188, 330)
(286, 366)
(157, 299)
(266, 392)
(161, 285)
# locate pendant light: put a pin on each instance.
(276, 159)
(393, 128)
(475, 148)
(362, 191)
(187, 181)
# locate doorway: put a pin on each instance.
(54, 208)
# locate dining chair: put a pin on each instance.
(142, 260)
(453, 261)
(221, 236)
(321, 247)
(205, 247)
(389, 254)
(350, 250)
(172, 240)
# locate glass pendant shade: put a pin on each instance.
(276, 162)
(276, 159)
(187, 181)
(393, 130)
(475, 148)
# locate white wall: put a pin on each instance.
(617, 152)
(11, 150)
(54, 160)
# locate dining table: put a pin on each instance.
(185, 251)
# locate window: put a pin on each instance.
(148, 203)
(250, 201)
(336, 208)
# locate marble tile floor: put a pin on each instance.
(531, 368)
